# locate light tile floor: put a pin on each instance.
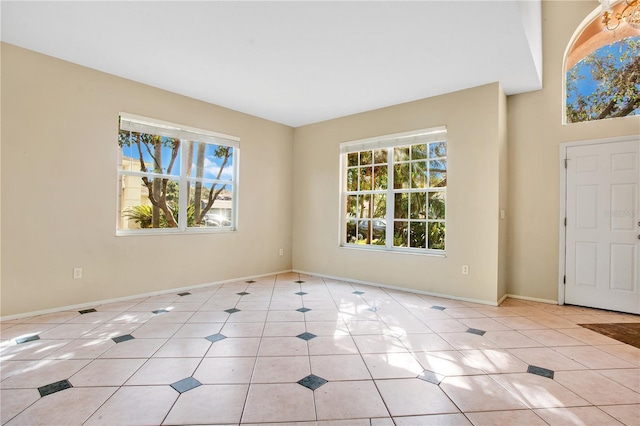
(301, 349)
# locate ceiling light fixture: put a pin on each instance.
(630, 14)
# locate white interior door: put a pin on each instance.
(602, 226)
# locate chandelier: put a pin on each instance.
(630, 14)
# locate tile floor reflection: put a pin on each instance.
(299, 349)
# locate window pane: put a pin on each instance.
(352, 179)
(352, 205)
(137, 211)
(351, 232)
(418, 238)
(380, 156)
(364, 208)
(400, 231)
(380, 176)
(210, 161)
(401, 153)
(379, 206)
(418, 205)
(378, 229)
(436, 235)
(352, 159)
(401, 176)
(214, 208)
(436, 205)
(419, 174)
(401, 206)
(363, 232)
(418, 152)
(365, 178)
(437, 149)
(365, 158)
(437, 173)
(142, 152)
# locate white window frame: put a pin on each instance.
(154, 126)
(389, 142)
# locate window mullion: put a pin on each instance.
(183, 195)
(390, 201)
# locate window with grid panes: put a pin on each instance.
(394, 192)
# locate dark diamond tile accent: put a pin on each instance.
(250, 281)
(186, 293)
(160, 311)
(306, 336)
(54, 387)
(476, 331)
(123, 338)
(303, 309)
(244, 293)
(312, 382)
(27, 339)
(372, 309)
(185, 384)
(540, 371)
(301, 293)
(431, 377)
(87, 311)
(232, 310)
(298, 282)
(215, 337)
(358, 292)
(440, 308)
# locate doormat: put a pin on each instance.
(628, 333)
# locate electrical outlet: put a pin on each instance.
(77, 273)
(281, 252)
(502, 214)
(465, 269)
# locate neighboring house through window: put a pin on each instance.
(166, 169)
(394, 192)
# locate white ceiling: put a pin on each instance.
(292, 62)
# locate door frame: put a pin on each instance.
(562, 230)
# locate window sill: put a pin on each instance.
(414, 252)
(193, 231)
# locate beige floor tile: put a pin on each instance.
(156, 330)
(164, 371)
(93, 318)
(248, 317)
(339, 367)
(392, 365)
(111, 330)
(10, 368)
(349, 400)
(596, 388)
(588, 337)
(208, 316)
(67, 331)
(284, 315)
(68, 407)
(133, 317)
(286, 329)
(209, 404)
(243, 329)
(135, 405)
(82, 349)
(626, 414)
(463, 341)
(53, 318)
(43, 372)
(479, 393)
(425, 342)
(287, 369)
(232, 370)
(33, 350)
(579, 416)
(553, 321)
(375, 344)
(187, 348)
(327, 328)
(367, 327)
(324, 315)
(626, 352)
(502, 418)
(278, 403)
(486, 324)
(136, 348)
(195, 330)
(406, 397)
(546, 358)
(520, 323)
(235, 347)
(14, 401)
(106, 372)
(26, 330)
(447, 363)
(495, 361)
(433, 420)
(625, 376)
(282, 346)
(537, 391)
(511, 339)
(332, 345)
(593, 357)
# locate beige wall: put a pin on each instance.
(472, 118)
(535, 133)
(59, 148)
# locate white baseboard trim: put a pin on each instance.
(391, 287)
(136, 296)
(532, 299)
(502, 299)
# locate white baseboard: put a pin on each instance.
(532, 299)
(391, 287)
(136, 296)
